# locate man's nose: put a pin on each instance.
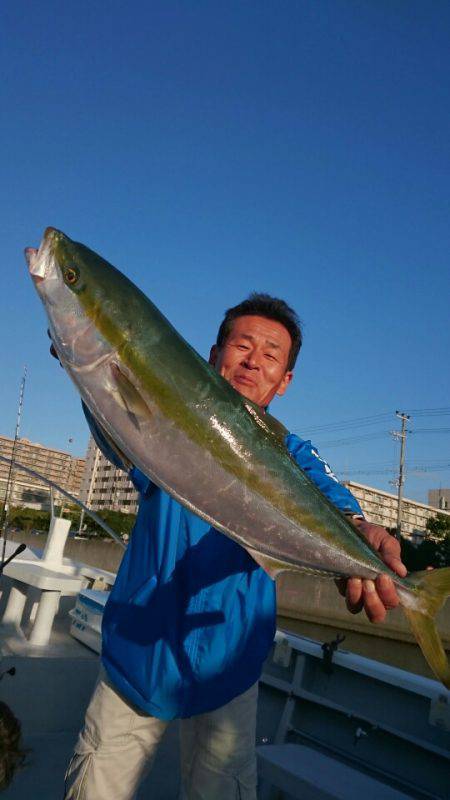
(251, 361)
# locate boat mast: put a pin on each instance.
(9, 488)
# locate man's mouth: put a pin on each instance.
(244, 380)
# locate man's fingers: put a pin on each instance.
(373, 605)
(354, 595)
(390, 552)
(395, 563)
(386, 591)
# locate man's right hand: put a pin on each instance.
(376, 597)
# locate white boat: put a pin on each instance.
(331, 724)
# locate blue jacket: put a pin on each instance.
(191, 616)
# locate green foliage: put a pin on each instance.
(439, 527)
(434, 550)
(119, 522)
(28, 519)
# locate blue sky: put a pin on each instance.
(210, 149)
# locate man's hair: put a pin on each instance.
(263, 305)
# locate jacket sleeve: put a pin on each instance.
(308, 458)
(139, 480)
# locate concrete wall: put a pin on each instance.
(313, 607)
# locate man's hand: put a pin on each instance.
(376, 597)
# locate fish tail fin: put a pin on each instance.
(433, 587)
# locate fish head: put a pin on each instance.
(68, 279)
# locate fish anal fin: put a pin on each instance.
(272, 566)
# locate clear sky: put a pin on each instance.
(209, 149)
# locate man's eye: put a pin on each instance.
(242, 347)
(270, 356)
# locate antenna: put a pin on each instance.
(9, 489)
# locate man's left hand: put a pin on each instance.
(376, 597)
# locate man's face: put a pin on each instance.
(254, 358)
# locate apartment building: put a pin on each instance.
(439, 498)
(25, 490)
(104, 486)
(381, 507)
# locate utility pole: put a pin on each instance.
(402, 436)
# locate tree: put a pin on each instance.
(434, 550)
(438, 527)
(120, 523)
(438, 532)
(28, 518)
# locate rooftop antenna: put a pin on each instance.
(10, 479)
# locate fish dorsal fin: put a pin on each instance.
(266, 421)
(130, 397)
(277, 427)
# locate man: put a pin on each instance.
(191, 616)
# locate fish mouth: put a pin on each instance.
(41, 261)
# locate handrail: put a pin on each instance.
(71, 497)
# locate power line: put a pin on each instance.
(429, 412)
(431, 430)
(364, 437)
(359, 422)
(413, 470)
(431, 464)
(354, 439)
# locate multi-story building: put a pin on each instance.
(381, 507)
(439, 498)
(56, 465)
(104, 486)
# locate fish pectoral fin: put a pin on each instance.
(272, 566)
(131, 398)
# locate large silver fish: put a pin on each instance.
(169, 413)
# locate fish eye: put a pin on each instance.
(71, 275)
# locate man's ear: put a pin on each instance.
(213, 355)
(285, 383)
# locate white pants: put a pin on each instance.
(118, 743)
